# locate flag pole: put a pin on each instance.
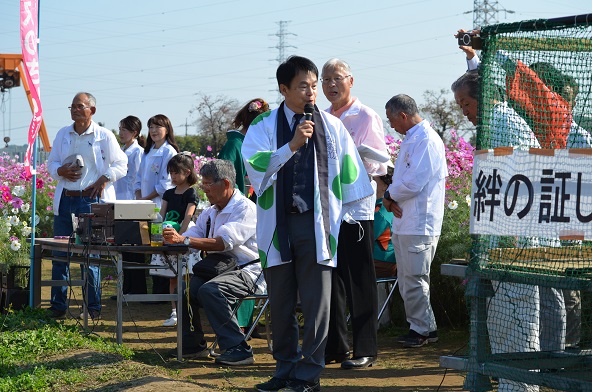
(34, 196)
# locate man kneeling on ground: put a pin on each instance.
(228, 226)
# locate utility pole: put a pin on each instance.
(186, 125)
(281, 47)
(485, 12)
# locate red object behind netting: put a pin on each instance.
(550, 112)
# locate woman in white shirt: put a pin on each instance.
(153, 178)
(134, 280)
(133, 146)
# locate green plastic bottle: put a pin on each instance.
(156, 238)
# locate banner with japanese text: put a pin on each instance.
(536, 192)
(29, 27)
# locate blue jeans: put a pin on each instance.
(62, 226)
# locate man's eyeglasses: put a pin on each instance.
(207, 185)
(336, 80)
(77, 107)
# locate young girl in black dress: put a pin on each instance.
(178, 205)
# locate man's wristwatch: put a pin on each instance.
(387, 196)
(107, 176)
(186, 241)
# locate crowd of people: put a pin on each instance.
(337, 213)
(318, 196)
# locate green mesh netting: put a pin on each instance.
(531, 263)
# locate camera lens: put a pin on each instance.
(466, 39)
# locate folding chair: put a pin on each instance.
(262, 306)
(386, 281)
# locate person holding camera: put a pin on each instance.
(468, 42)
(226, 231)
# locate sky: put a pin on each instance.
(148, 57)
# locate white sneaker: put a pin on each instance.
(172, 321)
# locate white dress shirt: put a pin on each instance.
(419, 182)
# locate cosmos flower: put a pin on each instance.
(18, 190)
(17, 203)
(15, 245)
(26, 231)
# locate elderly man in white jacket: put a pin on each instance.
(416, 197)
(86, 160)
(227, 227)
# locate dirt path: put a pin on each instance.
(397, 369)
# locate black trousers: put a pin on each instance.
(134, 280)
(354, 279)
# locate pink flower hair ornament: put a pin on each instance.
(255, 106)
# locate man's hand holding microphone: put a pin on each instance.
(304, 130)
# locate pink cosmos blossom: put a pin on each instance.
(17, 202)
(459, 159)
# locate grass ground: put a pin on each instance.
(77, 361)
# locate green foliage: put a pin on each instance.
(16, 189)
(29, 339)
(191, 143)
(447, 293)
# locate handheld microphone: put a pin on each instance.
(308, 110)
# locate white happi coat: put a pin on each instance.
(348, 182)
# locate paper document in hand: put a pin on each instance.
(371, 154)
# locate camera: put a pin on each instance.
(78, 162)
(469, 39)
(465, 39)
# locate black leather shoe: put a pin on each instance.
(337, 358)
(56, 314)
(358, 363)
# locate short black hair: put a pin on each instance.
(288, 70)
(402, 103)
